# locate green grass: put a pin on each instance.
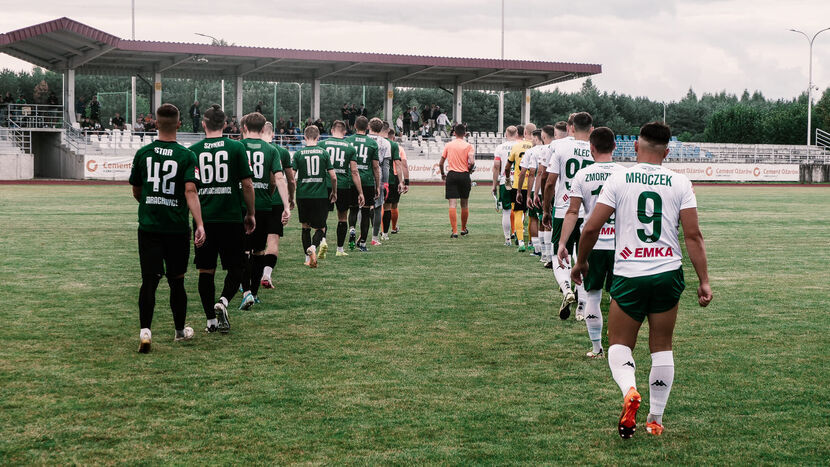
(424, 351)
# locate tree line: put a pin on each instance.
(712, 117)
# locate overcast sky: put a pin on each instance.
(654, 48)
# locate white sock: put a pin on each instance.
(622, 367)
(505, 222)
(307, 259)
(581, 294)
(374, 238)
(562, 275)
(536, 245)
(212, 322)
(548, 239)
(340, 249)
(593, 318)
(659, 382)
(266, 272)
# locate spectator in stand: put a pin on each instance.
(320, 125)
(195, 117)
(344, 115)
(8, 99)
(433, 118)
(280, 126)
(21, 99)
(352, 115)
(308, 123)
(95, 110)
(399, 124)
(291, 127)
(413, 113)
(138, 126)
(258, 107)
(442, 121)
(407, 122)
(52, 99)
(117, 122)
(426, 114)
(364, 112)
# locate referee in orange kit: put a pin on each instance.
(460, 157)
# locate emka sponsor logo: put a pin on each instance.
(647, 252)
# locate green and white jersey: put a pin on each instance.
(587, 184)
(341, 153)
(366, 151)
(395, 155)
(648, 199)
(312, 164)
(222, 165)
(264, 160)
(161, 169)
(569, 155)
(501, 154)
(285, 162)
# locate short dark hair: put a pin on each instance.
(657, 133)
(583, 121)
(385, 126)
(571, 119)
(312, 132)
(254, 121)
(520, 130)
(549, 130)
(537, 133)
(167, 117)
(391, 133)
(214, 118)
(602, 138)
(561, 126)
(460, 129)
(361, 123)
(376, 124)
(339, 124)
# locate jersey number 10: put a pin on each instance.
(312, 165)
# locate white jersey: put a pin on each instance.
(384, 156)
(569, 155)
(530, 161)
(501, 154)
(587, 184)
(648, 199)
(545, 151)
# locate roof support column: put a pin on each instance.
(69, 96)
(315, 100)
(237, 103)
(525, 111)
(388, 108)
(156, 92)
(132, 101)
(501, 112)
(457, 94)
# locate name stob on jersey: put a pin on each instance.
(586, 186)
(648, 199)
(569, 156)
(501, 153)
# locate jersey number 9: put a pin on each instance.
(655, 219)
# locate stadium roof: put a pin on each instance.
(63, 44)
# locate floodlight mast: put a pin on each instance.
(810, 82)
(215, 42)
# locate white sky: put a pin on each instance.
(653, 48)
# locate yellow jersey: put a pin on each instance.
(516, 155)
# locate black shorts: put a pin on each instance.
(224, 239)
(393, 197)
(519, 206)
(313, 212)
(257, 239)
(346, 198)
(368, 196)
(276, 227)
(458, 185)
(157, 250)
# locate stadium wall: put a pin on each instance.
(814, 173)
(17, 166)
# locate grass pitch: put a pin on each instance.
(426, 350)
